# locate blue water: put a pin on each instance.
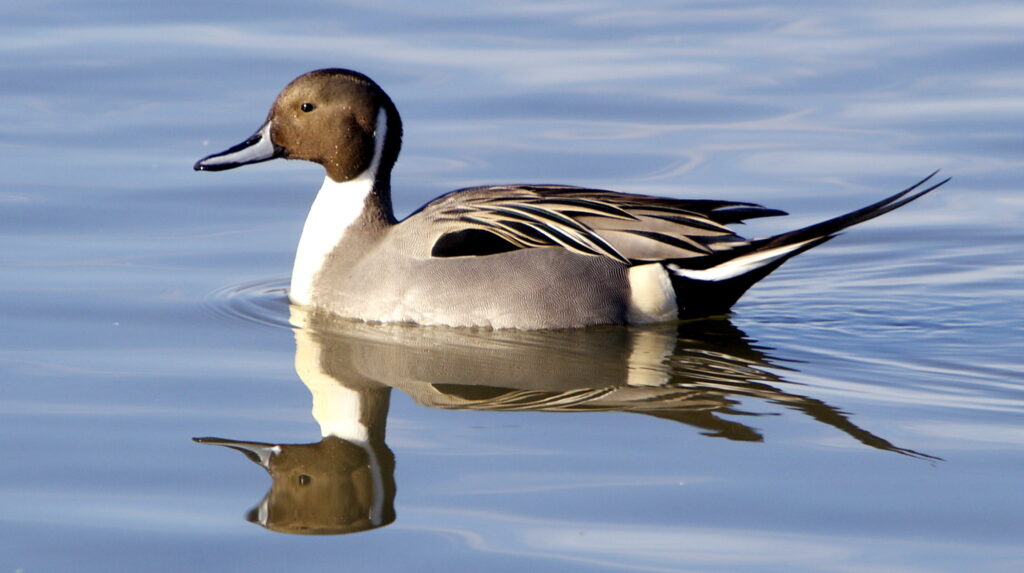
(861, 409)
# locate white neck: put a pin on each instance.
(336, 207)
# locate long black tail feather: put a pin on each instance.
(699, 293)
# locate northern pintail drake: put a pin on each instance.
(506, 256)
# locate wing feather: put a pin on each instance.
(624, 227)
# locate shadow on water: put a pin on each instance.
(692, 373)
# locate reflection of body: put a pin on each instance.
(694, 373)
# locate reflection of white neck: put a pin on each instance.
(336, 207)
(338, 409)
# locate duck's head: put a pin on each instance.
(338, 118)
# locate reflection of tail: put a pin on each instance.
(713, 283)
(700, 378)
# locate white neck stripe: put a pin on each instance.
(336, 207)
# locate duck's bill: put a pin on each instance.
(257, 148)
(258, 452)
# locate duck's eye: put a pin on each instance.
(308, 107)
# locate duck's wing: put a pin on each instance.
(624, 227)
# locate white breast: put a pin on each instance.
(336, 206)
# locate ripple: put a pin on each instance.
(263, 302)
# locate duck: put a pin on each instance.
(517, 256)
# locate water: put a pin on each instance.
(860, 410)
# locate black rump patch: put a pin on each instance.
(470, 243)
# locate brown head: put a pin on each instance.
(338, 118)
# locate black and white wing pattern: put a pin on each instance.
(628, 228)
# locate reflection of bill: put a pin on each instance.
(694, 373)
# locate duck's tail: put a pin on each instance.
(710, 285)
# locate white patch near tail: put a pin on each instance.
(651, 296)
(740, 265)
(336, 207)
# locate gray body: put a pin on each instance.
(390, 276)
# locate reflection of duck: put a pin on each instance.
(694, 373)
(342, 484)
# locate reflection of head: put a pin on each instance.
(331, 487)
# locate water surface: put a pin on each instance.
(861, 409)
